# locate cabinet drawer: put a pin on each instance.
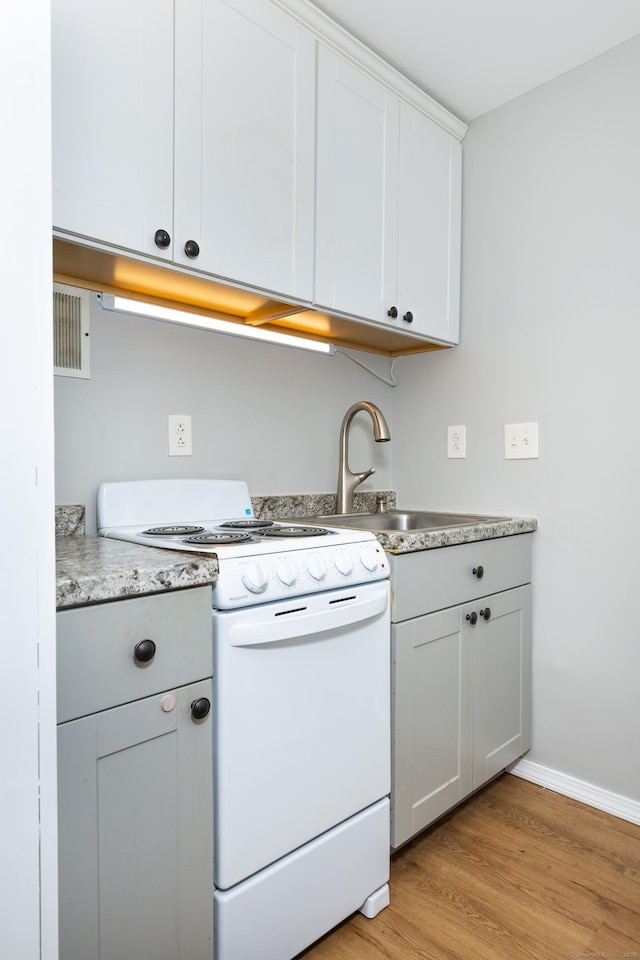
(97, 666)
(433, 579)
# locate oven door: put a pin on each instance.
(302, 738)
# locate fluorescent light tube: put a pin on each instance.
(138, 308)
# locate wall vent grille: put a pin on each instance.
(70, 331)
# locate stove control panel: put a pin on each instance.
(245, 581)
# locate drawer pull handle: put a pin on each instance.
(472, 618)
(145, 651)
(200, 708)
(478, 572)
(486, 613)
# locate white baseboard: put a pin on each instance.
(577, 789)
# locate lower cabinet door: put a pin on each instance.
(461, 709)
(501, 643)
(136, 831)
(431, 721)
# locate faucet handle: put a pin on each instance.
(365, 473)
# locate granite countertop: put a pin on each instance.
(412, 541)
(94, 569)
(299, 507)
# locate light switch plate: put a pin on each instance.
(521, 441)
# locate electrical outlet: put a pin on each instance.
(180, 435)
(456, 442)
(521, 441)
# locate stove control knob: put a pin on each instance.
(370, 558)
(254, 578)
(344, 564)
(316, 568)
(286, 573)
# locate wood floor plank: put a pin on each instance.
(516, 871)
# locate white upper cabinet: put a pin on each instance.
(244, 177)
(239, 204)
(256, 143)
(112, 75)
(429, 228)
(388, 206)
(357, 173)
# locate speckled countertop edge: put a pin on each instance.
(449, 536)
(95, 570)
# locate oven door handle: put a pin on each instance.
(296, 624)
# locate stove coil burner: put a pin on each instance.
(249, 524)
(219, 539)
(293, 532)
(175, 530)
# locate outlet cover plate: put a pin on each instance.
(521, 441)
(456, 442)
(180, 435)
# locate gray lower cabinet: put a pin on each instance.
(461, 675)
(135, 782)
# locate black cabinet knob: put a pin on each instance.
(191, 249)
(408, 317)
(200, 708)
(472, 618)
(144, 651)
(486, 613)
(162, 239)
(478, 572)
(392, 312)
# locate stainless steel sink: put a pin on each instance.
(399, 521)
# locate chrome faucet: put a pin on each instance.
(348, 481)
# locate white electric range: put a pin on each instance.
(301, 759)
(260, 560)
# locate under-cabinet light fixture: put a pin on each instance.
(139, 308)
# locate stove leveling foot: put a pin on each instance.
(378, 900)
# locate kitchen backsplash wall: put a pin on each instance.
(266, 414)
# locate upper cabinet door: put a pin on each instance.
(245, 107)
(357, 152)
(429, 210)
(112, 78)
(387, 207)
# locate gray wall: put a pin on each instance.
(551, 333)
(269, 415)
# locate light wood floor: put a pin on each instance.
(516, 872)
